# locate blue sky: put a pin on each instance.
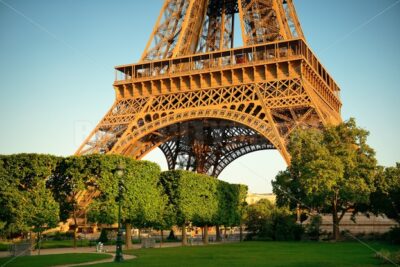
(57, 59)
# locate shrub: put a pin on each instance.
(393, 236)
(386, 257)
(172, 236)
(266, 222)
(313, 229)
(103, 236)
(383, 256)
(59, 236)
(396, 257)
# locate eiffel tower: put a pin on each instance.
(204, 102)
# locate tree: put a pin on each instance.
(225, 214)
(143, 202)
(166, 219)
(193, 197)
(43, 211)
(241, 206)
(386, 199)
(70, 179)
(22, 178)
(256, 216)
(231, 205)
(331, 170)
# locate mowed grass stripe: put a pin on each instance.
(52, 260)
(255, 254)
(246, 254)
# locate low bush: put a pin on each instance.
(387, 257)
(313, 229)
(267, 222)
(383, 255)
(393, 236)
(103, 236)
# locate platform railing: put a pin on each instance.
(256, 54)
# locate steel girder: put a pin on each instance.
(185, 27)
(209, 145)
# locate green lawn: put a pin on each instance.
(68, 243)
(54, 244)
(247, 254)
(64, 243)
(52, 260)
(253, 254)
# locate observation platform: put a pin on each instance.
(265, 62)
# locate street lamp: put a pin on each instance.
(118, 253)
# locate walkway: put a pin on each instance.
(126, 257)
(108, 249)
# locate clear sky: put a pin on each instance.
(57, 59)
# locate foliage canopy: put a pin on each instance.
(332, 171)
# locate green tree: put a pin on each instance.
(193, 197)
(143, 202)
(166, 219)
(241, 206)
(43, 211)
(231, 205)
(332, 171)
(69, 181)
(257, 215)
(386, 199)
(22, 178)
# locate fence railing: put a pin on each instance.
(256, 54)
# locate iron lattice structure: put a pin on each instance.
(205, 103)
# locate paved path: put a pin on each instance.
(108, 249)
(126, 257)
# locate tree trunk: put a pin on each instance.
(335, 222)
(225, 235)
(139, 238)
(184, 239)
(128, 236)
(75, 226)
(241, 233)
(162, 237)
(38, 242)
(218, 234)
(205, 240)
(33, 240)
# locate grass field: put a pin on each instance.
(247, 254)
(52, 260)
(54, 244)
(254, 254)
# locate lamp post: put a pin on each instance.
(118, 252)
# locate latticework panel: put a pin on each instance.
(190, 26)
(165, 35)
(208, 146)
(249, 104)
(112, 126)
(260, 21)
